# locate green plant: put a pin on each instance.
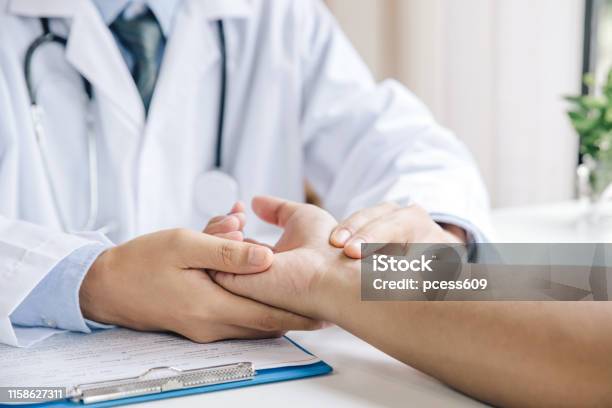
(591, 116)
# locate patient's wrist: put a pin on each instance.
(339, 289)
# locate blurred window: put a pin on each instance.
(598, 38)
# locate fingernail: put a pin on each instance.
(355, 245)
(341, 236)
(258, 256)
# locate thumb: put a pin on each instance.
(274, 210)
(204, 251)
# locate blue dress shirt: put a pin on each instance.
(54, 302)
(164, 10)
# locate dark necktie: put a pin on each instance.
(142, 37)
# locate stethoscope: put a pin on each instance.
(215, 190)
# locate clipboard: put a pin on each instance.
(166, 382)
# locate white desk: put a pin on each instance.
(364, 376)
(557, 222)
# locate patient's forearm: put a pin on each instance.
(506, 353)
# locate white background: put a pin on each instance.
(493, 71)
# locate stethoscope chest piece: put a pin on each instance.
(215, 192)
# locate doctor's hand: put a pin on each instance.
(303, 261)
(159, 282)
(389, 222)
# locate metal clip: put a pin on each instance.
(161, 379)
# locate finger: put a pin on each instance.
(243, 312)
(274, 210)
(265, 288)
(244, 333)
(241, 219)
(395, 227)
(218, 332)
(240, 216)
(212, 221)
(226, 224)
(348, 227)
(233, 235)
(237, 211)
(238, 207)
(216, 219)
(204, 251)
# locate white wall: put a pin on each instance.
(493, 71)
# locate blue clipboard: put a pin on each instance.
(261, 377)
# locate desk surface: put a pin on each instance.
(362, 377)
(568, 221)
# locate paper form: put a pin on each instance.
(71, 359)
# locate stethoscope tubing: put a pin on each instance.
(48, 37)
(222, 95)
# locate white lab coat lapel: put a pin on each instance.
(118, 109)
(194, 39)
(216, 9)
(192, 49)
(93, 51)
(43, 8)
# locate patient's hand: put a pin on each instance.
(228, 226)
(390, 222)
(303, 260)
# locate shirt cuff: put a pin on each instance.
(54, 302)
(473, 234)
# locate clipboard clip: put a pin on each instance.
(161, 379)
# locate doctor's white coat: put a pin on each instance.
(300, 105)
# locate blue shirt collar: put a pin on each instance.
(164, 10)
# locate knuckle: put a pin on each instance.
(366, 235)
(413, 211)
(351, 224)
(177, 237)
(226, 254)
